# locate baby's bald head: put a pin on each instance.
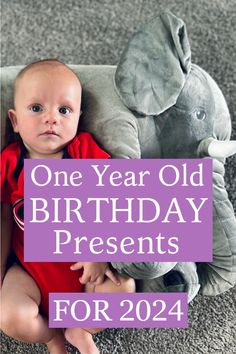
(45, 65)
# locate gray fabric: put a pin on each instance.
(148, 270)
(190, 285)
(151, 72)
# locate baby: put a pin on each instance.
(47, 103)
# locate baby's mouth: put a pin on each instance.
(49, 132)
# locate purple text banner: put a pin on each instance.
(108, 310)
(118, 210)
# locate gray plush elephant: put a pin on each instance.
(178, 111)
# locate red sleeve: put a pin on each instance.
(9, 158)
(84, 146)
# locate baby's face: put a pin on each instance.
(47, 110)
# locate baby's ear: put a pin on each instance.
(13, 119)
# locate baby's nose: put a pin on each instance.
(51, 118)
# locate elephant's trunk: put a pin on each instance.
(216, 148)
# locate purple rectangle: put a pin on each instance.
(119, 310)
(118, 210)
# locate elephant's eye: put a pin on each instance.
(200, 114)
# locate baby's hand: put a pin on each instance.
(94, 272)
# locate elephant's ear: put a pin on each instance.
(153, 67)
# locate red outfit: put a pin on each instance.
(49, 276)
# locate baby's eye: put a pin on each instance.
(64, 110)
(200, 114)
(36, 108)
